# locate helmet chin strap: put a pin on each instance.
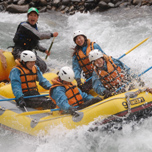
(24, 65)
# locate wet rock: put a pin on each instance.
(49, 7)
(97, 9)
(1, 8)
(136, 2)
(62, 7)
(43, 2)
(72, 13)
(65, 2)
(21, 2)
(43, 9)
(107, 1)
(15, 1)
(9, 1)
(103, 5)
(111, 5)
(122, 5)
(17, 8)
(53, 8)
(69, 6)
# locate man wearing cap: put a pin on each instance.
(27, 37)
(80, 61)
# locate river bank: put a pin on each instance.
(69, 7)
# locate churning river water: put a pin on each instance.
(116, 31)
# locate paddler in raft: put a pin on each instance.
(109, 74)
(80, 61)
(23, 81)
(67, 96)
(27, 37)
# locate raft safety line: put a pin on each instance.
(128, 102)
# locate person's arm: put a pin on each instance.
(58, 94)
(97, 84)
(16, 83)
(85, 96)
(40, 48)
(96, 46)
(3, 60)
(43, 81)
(76, 67)
(35, 33)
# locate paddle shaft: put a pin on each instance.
(145, 71)
(50, 47)
(134, 47)
(25, 97)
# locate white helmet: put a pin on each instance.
(27, 56)
(95, 54)
(76, 33)
(66, 74)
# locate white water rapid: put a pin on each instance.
(116, 31)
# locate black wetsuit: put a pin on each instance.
(27, 38)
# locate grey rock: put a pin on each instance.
(43, 3)
(17, 8)
(56, 1)
(137, 2)
(123, 5)
(21, 2)
(111, 5)
(43, 9)
(72, 13)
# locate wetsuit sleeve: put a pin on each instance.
(96, 46)
(97, 84)
(43, 81)
(35, 33)
(85, 96)
(40, 48)
(58, 94)
(76, 67)
(16, 83)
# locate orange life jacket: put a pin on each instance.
(28, 78)
(83, 59)
(72, 92)
(113, 77)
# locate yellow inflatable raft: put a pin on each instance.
(6, 90)
(4, 73)
(41, 121)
